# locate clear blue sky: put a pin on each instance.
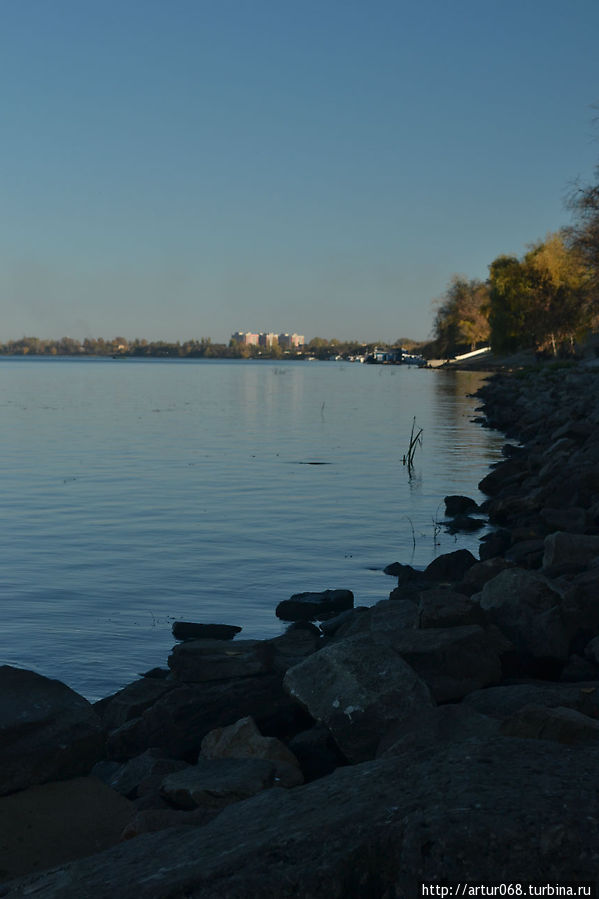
(185, 168)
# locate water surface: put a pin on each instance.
(137, 492)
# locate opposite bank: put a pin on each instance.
(449, 733)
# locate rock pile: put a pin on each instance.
(449, 733)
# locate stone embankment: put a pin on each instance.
(449, 733)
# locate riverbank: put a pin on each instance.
(447, 733)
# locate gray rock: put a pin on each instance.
(196, 661)
(464, 524)
(359, 689)
(564, 547)
(317, 752)
(562, 725)
(466, 811)
(315, 606)
(529, 612)
(189, 630)
(591, 650)
(527, 553)
(215, 783)
(47, 731)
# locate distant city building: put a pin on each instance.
(267, 339)
(287, 341)
(247, 338)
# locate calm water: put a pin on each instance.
(139, 492)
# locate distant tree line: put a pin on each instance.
(204, 348)
(545, 300)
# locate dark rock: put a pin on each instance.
(196, 661)
(444, 724)
(154, 820)
(503, 701)
(215, 783)
(47, 731)
(496, 479)
(450, 566)
(332, 625)
(188, 630)
(563, 725)
(462, 812)
(156, 673)
(527, 553)
(403, 572)
(578, 669)
(317, 752)
(384, 618)
(529, 612)
(452, 661)
(459, 505)
(300, 640)
(564, 547)
(358, 688)
(178, 722)
(443, 607)
(494, 544)
(572, 520)
(315, 606)
(131, 701)
(464, 524)
(243, 740)
(127, 778)
(477, 576)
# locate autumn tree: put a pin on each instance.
(461, 320)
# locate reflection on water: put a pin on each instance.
(142, 491)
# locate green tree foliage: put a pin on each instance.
(461, 321)
(541, 300)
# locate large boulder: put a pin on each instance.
(462, 812)
(131, 701)
(315, 606)
(47, 731)
(460, 505)
(443, 607)
(359, 688)
(529, 612)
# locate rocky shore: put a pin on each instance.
(449, 733)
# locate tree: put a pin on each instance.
(583, 236)
(461, 320)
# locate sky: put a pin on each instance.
(177, 169)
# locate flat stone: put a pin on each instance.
(315, 606)
(196, 661)
(189, 630)
(504, 701)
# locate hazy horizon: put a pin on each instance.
(173, 171)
